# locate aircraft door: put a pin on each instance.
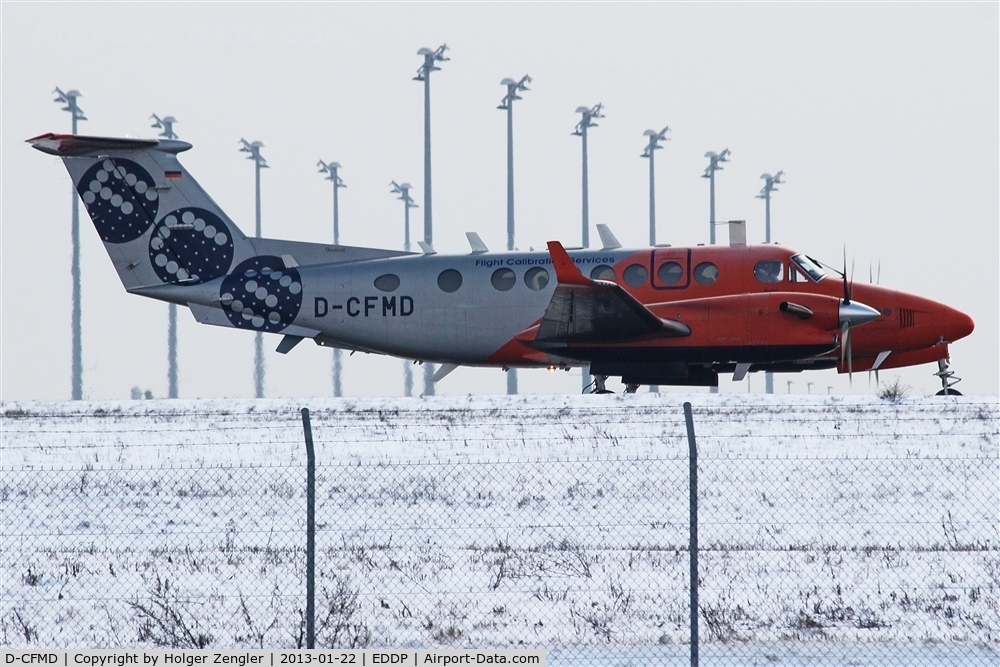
(671, 268)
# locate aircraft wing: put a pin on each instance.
(595, 311)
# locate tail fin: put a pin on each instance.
(157, 223)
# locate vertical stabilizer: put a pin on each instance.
(158, 225)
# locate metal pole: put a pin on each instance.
(512, 372)
(337, 389)
(77, 325)
(768, 376)
(585, 378)
(258, 373)
(510, 175)
(310, 532)
(172, 351)
(693, 547)
(652, 200)
(652, 218)
(767, 216)
(586, 214)
(711, 208)
(407, 365)
(336, 210)
(428, 225)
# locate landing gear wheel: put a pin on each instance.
(631, 388)
(948, 379)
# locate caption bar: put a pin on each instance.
(197, 658)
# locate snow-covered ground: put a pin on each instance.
(826, 524)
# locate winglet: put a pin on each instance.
(567, 272)
(608, 239)
(477, 243)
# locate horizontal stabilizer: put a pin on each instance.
(71, 145)
(442, 371)
(287, 343)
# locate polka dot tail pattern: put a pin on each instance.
(191, 245)
(261, 294)
(121, 199)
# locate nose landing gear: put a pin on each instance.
(948, 379)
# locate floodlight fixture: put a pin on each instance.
(513, 87)
(76, 318)
(69, 98)
(403, 190)
(430, 57)
(715, 161)
(166, 124)
(330, 169)
(588, 114)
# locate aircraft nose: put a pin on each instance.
(957, 324)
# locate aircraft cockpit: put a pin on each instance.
(808, 266)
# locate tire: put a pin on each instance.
(949, 392)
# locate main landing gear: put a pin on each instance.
(600, 386)
(948, 379)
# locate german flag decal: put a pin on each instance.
(172, 175)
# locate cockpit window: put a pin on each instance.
(768, 270)
(809, 266)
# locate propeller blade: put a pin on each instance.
(847, 295)
(851, 290)
(878, 276)
(845, 350)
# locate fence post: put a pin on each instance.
(693, 459)
(310, 532)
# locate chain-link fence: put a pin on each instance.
(805, 560)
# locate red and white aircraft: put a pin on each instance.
(663, 315)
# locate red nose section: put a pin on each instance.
(958, 324)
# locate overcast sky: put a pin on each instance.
(884, 118)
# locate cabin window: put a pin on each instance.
(503, 279)
(536, 278)
(670, 273)
(387, 283)
(768, 270)
(706, 273)
(450, 280)
(636, 275)
(810, 266)
(603, 272)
